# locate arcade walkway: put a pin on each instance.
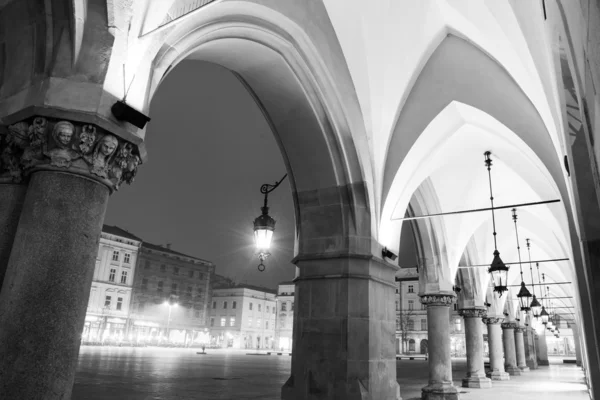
(179, 374)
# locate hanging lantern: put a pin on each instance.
(264, 226)
(536, 307)
(544, 316)
(499, 274)
(524, 297)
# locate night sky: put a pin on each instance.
(209, 151)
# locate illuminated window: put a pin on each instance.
(232, 321)
(250, 322)
(223, 321)
(457, 324)
(126, 258)
(111, 276)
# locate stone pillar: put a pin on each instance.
(510, 356)
(438, 337)
(542, 348)
(497, 372)
(577, 343)
(344, 331)
(474, 341)
(46, 288)
(520, 348)
(530, 352)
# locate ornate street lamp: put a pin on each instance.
(264, 226)
(544, 316)
(523, 294)
(498, 271)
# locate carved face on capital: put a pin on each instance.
(108, 145)
(63, 132)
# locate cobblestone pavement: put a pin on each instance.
(180, 374)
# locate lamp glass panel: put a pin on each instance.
(262, 238)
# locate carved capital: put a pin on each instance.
(58, 145)
(492, 320)
(473, 312)
(510, 325)
(437, 299)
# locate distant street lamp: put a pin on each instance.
(170, 303)
(264, 226)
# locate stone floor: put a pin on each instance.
(180, 374)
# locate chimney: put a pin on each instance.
(169, 246)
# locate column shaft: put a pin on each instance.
(474, 341)
(344, 328)
(577, 343)
(530, 351)
(510, 356)
(542, 348)
(520, 349)
(12, 197)
(47, 285)
(438, 337)
(497, 372)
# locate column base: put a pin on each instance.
(498, 376)
(543, 362)
(524, 368)
(513, 371)
(476, 382)
(532, 365)
(440, 391)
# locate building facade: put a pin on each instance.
(108, 308)
(243, 318)
(171, 293)
(285, 316)
(411, 318)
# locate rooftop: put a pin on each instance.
(156, 247)
(115, 230)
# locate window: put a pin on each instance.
(411, 289)
(267, 309)
(191, 273)
(266, 324)
(175, 270)
(200, 275)
(224, 305)
(397, 324)
(124, 277)
(259, 307)
(141, 307)
(410, 325)
(127, 258)
(147, 264)
(423, 324)
(234, 305)
(163, 267)
(214, 305)
(212, 321)
(397, 305)
(423, 306)
(455, 306)
(115, 255)
(144, 284)
(232, 321)
(174, 288)
(197, 314)
(223, 321)
(250, 306)
(258, 322)
(292, 306)
(119, 303)
(250, 322)
(189, 291)
(107, 301)
(397, 291)
(411, 305)
(284, 306)
(457, 324)
(111, 277)
(411, 345)
(159, 287)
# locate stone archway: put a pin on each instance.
(424, 346)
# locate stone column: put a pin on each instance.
(520, 348)
(577, 343)
(344, 330)
(46, 288)
(510, 356)
(438, 337)
(542, 348)
(474, 341)
(497, 372)
(530, 352)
